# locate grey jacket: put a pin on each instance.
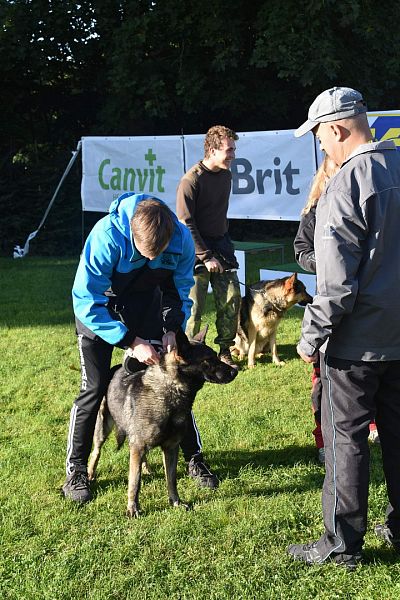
(356, 312)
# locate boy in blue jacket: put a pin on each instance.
(131, 290)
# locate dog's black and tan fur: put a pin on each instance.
(261, 309)
(151, 408)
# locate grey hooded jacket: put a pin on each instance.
(356, 312)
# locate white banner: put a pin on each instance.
(114, 165)
(271, 175)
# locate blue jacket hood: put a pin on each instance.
(121, 212)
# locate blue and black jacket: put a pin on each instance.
(118, 293)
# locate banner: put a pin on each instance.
(385, 126)
(114, 165)
(271, 174)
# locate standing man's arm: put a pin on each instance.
(186, 198)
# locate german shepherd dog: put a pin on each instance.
(152, 407)
(261, 309)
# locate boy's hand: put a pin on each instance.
(144, 352)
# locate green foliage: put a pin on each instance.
(153, 68)
(256, 434)
(326, 43)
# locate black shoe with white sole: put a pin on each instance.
(200, 471)
(309, 554)
(77, 487)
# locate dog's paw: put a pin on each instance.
(133, 513)
(177, 503)
(180, 504)
(252, 366)
(279, 363)
(145, 468)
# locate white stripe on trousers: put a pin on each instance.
(68, 465)
(198, 438)
(334, 458)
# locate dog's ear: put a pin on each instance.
(291, 281)
(182, 342)
(201, 336)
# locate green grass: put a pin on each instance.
(256, 434)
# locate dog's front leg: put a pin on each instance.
(170, 460)
(274, 351)
(252, 335)
(135, 475)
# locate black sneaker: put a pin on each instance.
(76, 487)
(201, 472)
(309, 554)
(383, 533)
(226, 357)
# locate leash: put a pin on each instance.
(254, 291)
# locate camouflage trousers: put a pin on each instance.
(226, 291)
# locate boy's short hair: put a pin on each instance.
(214, 137)
(152, 226)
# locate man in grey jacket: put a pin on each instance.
(354, 321)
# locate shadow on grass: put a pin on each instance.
(229, 465)
(286, 352)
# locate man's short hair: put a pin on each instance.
(214, 137)
(152, 226)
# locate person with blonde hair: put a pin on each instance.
(305, 256)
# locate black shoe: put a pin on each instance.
(309, 554)
(383, 533)
(76, 487)
(200, 472)
(226, 357)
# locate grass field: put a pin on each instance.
(256, 434)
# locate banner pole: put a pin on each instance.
(21, 252)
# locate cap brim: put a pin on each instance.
(305, 128)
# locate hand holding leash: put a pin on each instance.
(144, 352)
(213, 265)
